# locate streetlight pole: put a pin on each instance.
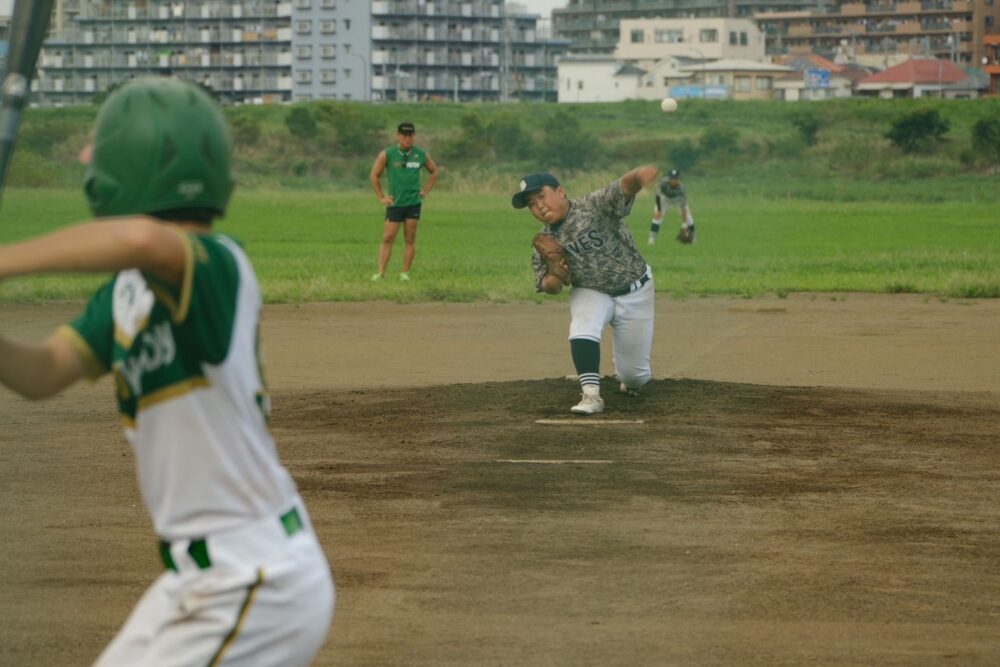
(365, 93)
(702, 56)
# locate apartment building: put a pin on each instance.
(460, 49)
(592, 26)
(267, 51)
(646, 41)
(869, 32)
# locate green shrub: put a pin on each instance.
(719, 139)
(682, 154)
(506, 138)
(565, 144)
(918, 130)
(808, 126)
(301, 123)
(986, 139)
(246, 130)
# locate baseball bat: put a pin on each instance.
(28, 26)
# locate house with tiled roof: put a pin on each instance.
(924, 77)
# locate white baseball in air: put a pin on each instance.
(668, 105)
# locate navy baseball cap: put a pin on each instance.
(533, 183)
(406, 128)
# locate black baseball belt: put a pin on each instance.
(633, 286)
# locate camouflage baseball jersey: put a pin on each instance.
(671, 192)
(190, 390)
(404, 174)
(600, 249)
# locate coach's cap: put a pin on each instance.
(533, 183)
(406, 128)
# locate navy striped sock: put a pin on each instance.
(587, 359)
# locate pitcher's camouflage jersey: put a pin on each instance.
(600, 249)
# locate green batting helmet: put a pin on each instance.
(159, 144)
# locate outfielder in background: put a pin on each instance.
(403, 162)
(670, 192)
(585, 243)
(245, 580)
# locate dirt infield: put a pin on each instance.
(809, 480)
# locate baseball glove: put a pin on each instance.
(686, 235)
(554, 256)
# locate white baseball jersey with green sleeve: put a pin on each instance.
(190, 389)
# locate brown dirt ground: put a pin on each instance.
(813, 482)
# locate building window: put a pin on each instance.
(303, 27)
(579, 84)
(328, 51)
(303, 52)
(328, 27)
(328, 76)
(347, 74)
(764, 83)
(708, 36)
(638, 36)
(347, 24)
(303, 76)
(668, 36)
(303, 4)
(347, 48)
(742, 84)
(328, 4)
(743, 39)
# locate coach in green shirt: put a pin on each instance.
(403, 162)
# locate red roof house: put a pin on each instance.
(917, 78)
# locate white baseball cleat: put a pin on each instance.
(590, 405)
(628, 391)
(377, 277)
(404, 276)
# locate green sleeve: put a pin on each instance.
(92, 333)
(213, 285)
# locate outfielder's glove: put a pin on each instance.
(686, 235)
(554, 256)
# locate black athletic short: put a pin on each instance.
(401, 213)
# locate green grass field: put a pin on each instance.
(316, 246)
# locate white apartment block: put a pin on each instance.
(267, 51)
(650, 40)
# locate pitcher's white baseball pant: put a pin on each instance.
(631, 320)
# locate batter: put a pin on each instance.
(245, 580)
(611, 282)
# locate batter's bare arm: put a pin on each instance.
(39, 370)
(635, 180)
(377, 168)
(430, 166)
(101, 246)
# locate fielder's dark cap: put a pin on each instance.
(533, 183)
(406, 128)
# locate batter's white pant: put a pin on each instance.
(267, 600)
(631, 320)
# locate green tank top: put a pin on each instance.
(404, 174)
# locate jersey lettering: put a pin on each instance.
(156, 349)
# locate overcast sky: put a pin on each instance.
(543, 7)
